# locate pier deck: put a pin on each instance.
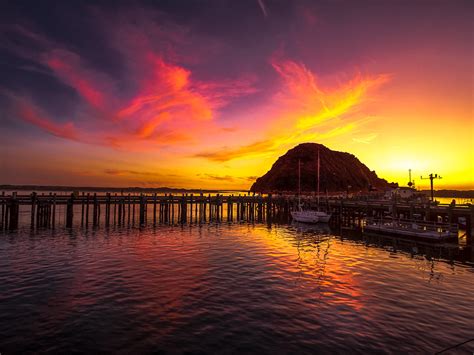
(87, 209)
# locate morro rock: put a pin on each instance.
(339, 171)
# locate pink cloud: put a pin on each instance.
(166, 102)
(67, 67)
(33, 115)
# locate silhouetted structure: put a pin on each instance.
(431, 177)
(49, 211)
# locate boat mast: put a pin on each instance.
(299, 184)
(318, 177)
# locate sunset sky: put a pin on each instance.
(208, 94)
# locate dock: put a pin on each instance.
(108, 209)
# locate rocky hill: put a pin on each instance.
(338, 170)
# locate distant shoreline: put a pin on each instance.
(108, 189)
(451, 193)
(437, 193)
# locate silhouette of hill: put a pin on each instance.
(338, 170)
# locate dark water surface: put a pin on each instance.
(226, 289)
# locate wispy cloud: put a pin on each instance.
(226, 154)
(167, 100)
(68, 68)
(33, 115)
(367, 139)
(305, 110)
(227, 178)
(263, 7)
(123, 172)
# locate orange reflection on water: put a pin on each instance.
(318, 259)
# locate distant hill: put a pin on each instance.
(338, 170)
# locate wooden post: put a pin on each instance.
(49, 210)
(154, 209)
(252, 208)
(115, 209)
(14, 211)
(470, 227)
(128, 217)
(39, 214)
(7, 210)
(3, 211)
(204, 208)
(70, 211)
(191, 208)
(196, 212)
(133, 212)
(118, 210)
(98, 212)
(82, 208)
(142, 210)
(94, 211)
(53, 218)
(183, 210)
(87, 210)
(170, 209)
(107, 210)
(269, 207)
(160, 211)
(260, 209)
(221, 206)
(33, 207)
(237, 205)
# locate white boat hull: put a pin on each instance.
(323, 217)
(413, 230)
(310, 216)
(305, 216)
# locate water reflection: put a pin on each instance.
(228, 288)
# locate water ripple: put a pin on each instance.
(226, 289)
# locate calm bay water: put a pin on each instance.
(226, 289)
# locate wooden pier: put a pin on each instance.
(49, 211)
(105, 210)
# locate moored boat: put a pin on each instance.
(305, 216)
(323, 217)
(302, 215)
(428, 231)
(309, 216)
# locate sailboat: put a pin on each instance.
(323, 217)
(301, 215)
(309, 216)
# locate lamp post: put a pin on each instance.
(431, 177)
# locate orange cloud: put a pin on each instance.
(226, 154)
(309, 104)
(119, 172)
(305, 110)
(168, 89)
